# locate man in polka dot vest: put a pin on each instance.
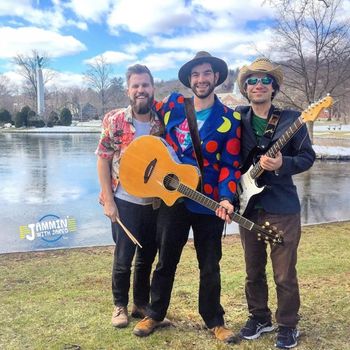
(219, 132)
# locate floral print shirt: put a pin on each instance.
(117, 133)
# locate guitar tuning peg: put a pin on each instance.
(267, 223)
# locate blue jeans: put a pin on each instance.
(173, 228)
(141, 221)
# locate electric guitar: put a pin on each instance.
(147, 169)
(248, 187)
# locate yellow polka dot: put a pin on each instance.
(225, 126)
(218, 156)
(166, 117)
(237, 115)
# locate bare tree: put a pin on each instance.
(98, 77)
(6, 94)
(315, 46)
(27, 69)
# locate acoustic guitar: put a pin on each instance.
(147, 169)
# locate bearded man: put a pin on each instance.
(219, 134)
(119, 128)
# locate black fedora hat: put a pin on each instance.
(203, 57)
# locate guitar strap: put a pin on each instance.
(193, 126)
(270, 129)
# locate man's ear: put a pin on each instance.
(217, 76)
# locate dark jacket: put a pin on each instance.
(280, 194)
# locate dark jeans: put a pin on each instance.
(284, 259)
(141, 221)
(173, 228)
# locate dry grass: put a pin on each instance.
(62, 299)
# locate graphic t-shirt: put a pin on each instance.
(183, 131)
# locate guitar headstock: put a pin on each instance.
(270, 233)
(311, 113)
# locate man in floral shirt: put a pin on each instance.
(119, 128)
(219, 132)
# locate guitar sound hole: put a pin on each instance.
(171, 182)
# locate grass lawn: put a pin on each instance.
(62, 299)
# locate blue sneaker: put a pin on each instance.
(254, 328)
(287, 337)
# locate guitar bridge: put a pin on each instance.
(149, 170)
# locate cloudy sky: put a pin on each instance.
(163, 34)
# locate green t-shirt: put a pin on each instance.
(259, 126)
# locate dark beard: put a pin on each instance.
(142, 108)
(205, 95)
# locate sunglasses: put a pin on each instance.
(264, 81)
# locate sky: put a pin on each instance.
(162, 34)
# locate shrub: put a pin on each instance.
(66, 117)
(5, 116)
(37, 123)
(19, 119)
(53, 118)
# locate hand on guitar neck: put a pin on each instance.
(271, 163)
(224, 211)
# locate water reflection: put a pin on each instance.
(43, 174)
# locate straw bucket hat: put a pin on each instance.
(260, 65)
(203, 57)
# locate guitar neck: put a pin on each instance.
(213, 205)
(257, 170)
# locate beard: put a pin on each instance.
(142, 106)
(206, 93)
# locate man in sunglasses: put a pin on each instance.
(278, 203)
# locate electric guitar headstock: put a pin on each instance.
(269, 233)
(311, 113)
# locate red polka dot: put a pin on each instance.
(159, 106)
(216, 166)
(180, 99)
(233, 146)
(171, 105)
(211, 146)
(236, 164)
(225, 109)
(208, 189)
(238, 132)
(224, 174)
(237, 174)
(205, 162)
(232, 186)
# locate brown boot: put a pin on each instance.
(120, 317)
(141, 312)
(145, 327)
(224, 334)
